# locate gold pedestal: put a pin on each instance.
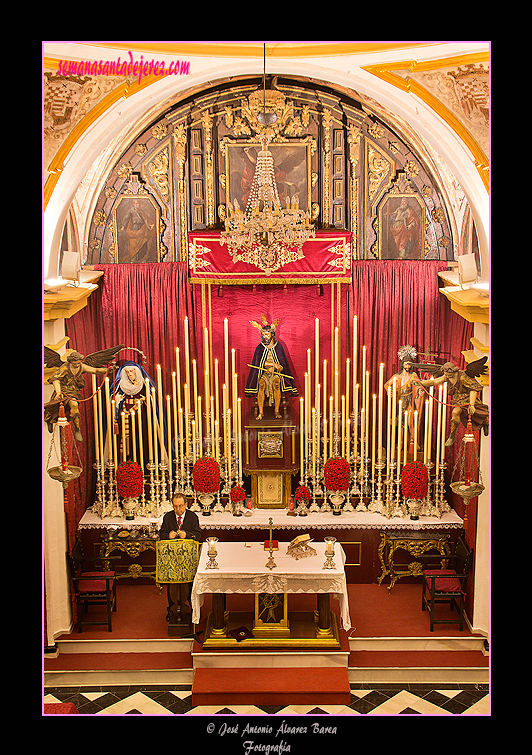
(271, 615)
(303, 632)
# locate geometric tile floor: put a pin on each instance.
(371, 700)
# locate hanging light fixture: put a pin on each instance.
(469, 483)
(265, 233)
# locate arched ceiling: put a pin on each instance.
(440, 90)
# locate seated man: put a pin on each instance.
(179, 523)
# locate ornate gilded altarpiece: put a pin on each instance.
(342, 158)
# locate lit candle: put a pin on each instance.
(405, 435)
(109, 420)
(95, 413)
(373, 436)
(169, 436)
(399, 435)
(187, 352)
(207, 404)
(381, 395)
(305, 413)
(123, 415)
(316, 360)
(443, 421)
(133, 434)
(301, 437)
(438, 430)
(235, 395)
(181, 440)
(426, 437)
(186, 417)
(141, 439)
(348, 439)
(149, 418)
(336, 377)
(336, 405)
(226, 351)
(415, 434)
(239, 410)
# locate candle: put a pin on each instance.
(207, 404)
(443, 421)
(399, 436)
(239, 410)
(305, 413)
(233, 370)
(186, 417)
(95, 413)
(431, 410)
(313, 442)
(133, 434)
(155, 426)
(226, 351)
(388, 431)
(187, 353)
(123, 416)
(331, 424)
(229, 443)
(373, 436)
(115, 452)
(381, 394)
(149, 417)
(318, 417)
(336, 377)
(362, 373)
(343, 426)
(195, 386)
(325, 436)
(224, 414)
(160, 397)
(181, 439)
(426, 436)
(100, 429)
(355, 412)
(348, 439)
(213, 420)
(174, 402)
(216, 440)
(169, 437)
(141, 439)
(109, 420)
(216, 393)
(206, 360)
(199, 428)
(367, 413)
(324, 388)
(193, 425)
(178, 378)
(355, 350)
(362, 439)
(405, 435)
(316, 360)
(394, 398)
(235, 395)
(347, 386)
(438, 431)
(415, 434)
(301, 437)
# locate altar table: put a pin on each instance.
(242, 569)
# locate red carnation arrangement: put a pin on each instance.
(206, 475)
(129, 481)
(337, 474)
(238, 494)
(415, 480)
(302, 493)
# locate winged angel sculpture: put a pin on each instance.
(463, 391)
(68, 381)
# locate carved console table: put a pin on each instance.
(416, 543)
(131, 544)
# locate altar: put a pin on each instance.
(242, 568)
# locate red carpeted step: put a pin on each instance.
(417, 659)
(271, 686)
(118, 661)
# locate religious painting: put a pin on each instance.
(291, 170)
(136, 222)
(401, 225)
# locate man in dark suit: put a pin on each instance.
(179, 523)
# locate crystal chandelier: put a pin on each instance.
(266, 234)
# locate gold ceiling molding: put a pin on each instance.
(386, 73)
(251, 50)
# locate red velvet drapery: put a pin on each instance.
(144, 306)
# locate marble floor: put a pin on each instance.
(371, 700)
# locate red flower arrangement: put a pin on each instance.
(129, 482)
(237, 494)
(415, 480)
(302, 493)
(206, 475)
(337, 474)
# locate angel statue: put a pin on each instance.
(68, 381)
(463, 392)
(407, 390)
(269, 375)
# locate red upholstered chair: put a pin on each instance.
(90, 586)
(448, 585)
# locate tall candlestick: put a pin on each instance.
(381, 394)
(169, 436)
(123, 418)
(207, 404)
(100, 427)
(399, 436)
(187, 353)
(431, 410)
(373, 435)
(316, 360)
(149, 419)
(226, 351)
(109, 420)
(186, 417)
(426, 436)
(239, 423)
(394, 407)
(95, 414)
(155, 431)
(181, 442)
(141, 439)
(301, 437)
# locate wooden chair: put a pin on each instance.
(448, 585)
(91, 587)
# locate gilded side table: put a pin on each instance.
(132, 545)
(415, 543)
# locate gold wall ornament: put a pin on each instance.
(180, 149)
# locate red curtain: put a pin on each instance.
(144, 306)
(141, 306)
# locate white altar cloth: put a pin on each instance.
(316, 520)
(243, 569)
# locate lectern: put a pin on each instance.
(176, 565)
